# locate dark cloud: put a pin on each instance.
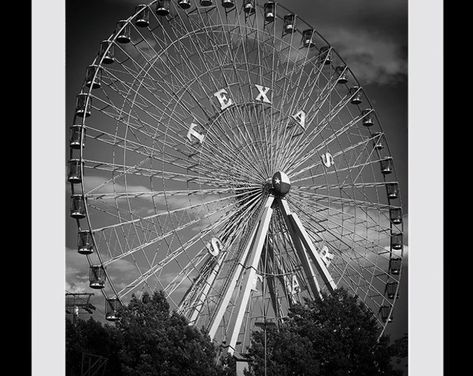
(371, 36)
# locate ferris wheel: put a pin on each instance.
(224, 153)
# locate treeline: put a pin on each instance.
(148, 340)
(336, 335)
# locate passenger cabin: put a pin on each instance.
(85, 245)
(93, 76)
(107, 52)
(75, 171)
(184, 4)
(387, 165)
(396, 240)
(77, 206)
(112, 307)
(142, 16)
(289, 24)
(392, 190)
(395, 265)
(395, 215)
(249, 6)
(390, 290)
(269, 11)
(307, 36)
(83, 104)
(123, 32)
(340, 71)
(355, 94)
(378, 140)
(228, 3)
(325, 57)
(77, 136)
(384, 313)
(367, 117)
(97, 277)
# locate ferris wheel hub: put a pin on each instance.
(281, 183)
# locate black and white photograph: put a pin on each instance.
(235, 188)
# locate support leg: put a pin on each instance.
(301, 253)
(236, 276)
(248, 278)
(301, 233)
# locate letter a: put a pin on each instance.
(300, 118)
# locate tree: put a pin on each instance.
(148, 340)
(329, 336)
(155, 341)
(91, 337)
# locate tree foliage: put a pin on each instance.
(91, 337)
(334, 335)
(148, 340)
(158, 342)
(329, 336)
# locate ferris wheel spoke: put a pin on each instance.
(163, 79)
(338, 171)
(358, 264)
(223, 234)
(220, 68)
(246, 51)
(186, 272)
(140, 148)
(318, 104)
(321, 126)
(359, 185)
(146, 105)
(171, 256)
(137, 170)
(175, 137)
(373, 283)
(155, 194)
(173, 73)
(195, 297)
(356, 282)
(301, 102)
(344, 230)
(307, 194)
(139, 125)
(364, 206)
(368, 219)
(183, 208)
(315, 150)
(167, 234)
(343, 238)
(233, 58)
(363, 143)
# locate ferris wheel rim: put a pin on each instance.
(89, 95)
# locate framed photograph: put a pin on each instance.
(238, 160)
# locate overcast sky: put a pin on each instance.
(371, 36)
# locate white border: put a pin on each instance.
(425, 164)
(425, 200)
(48, 187)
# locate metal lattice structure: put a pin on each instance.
(78, 303)
(223, 152)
